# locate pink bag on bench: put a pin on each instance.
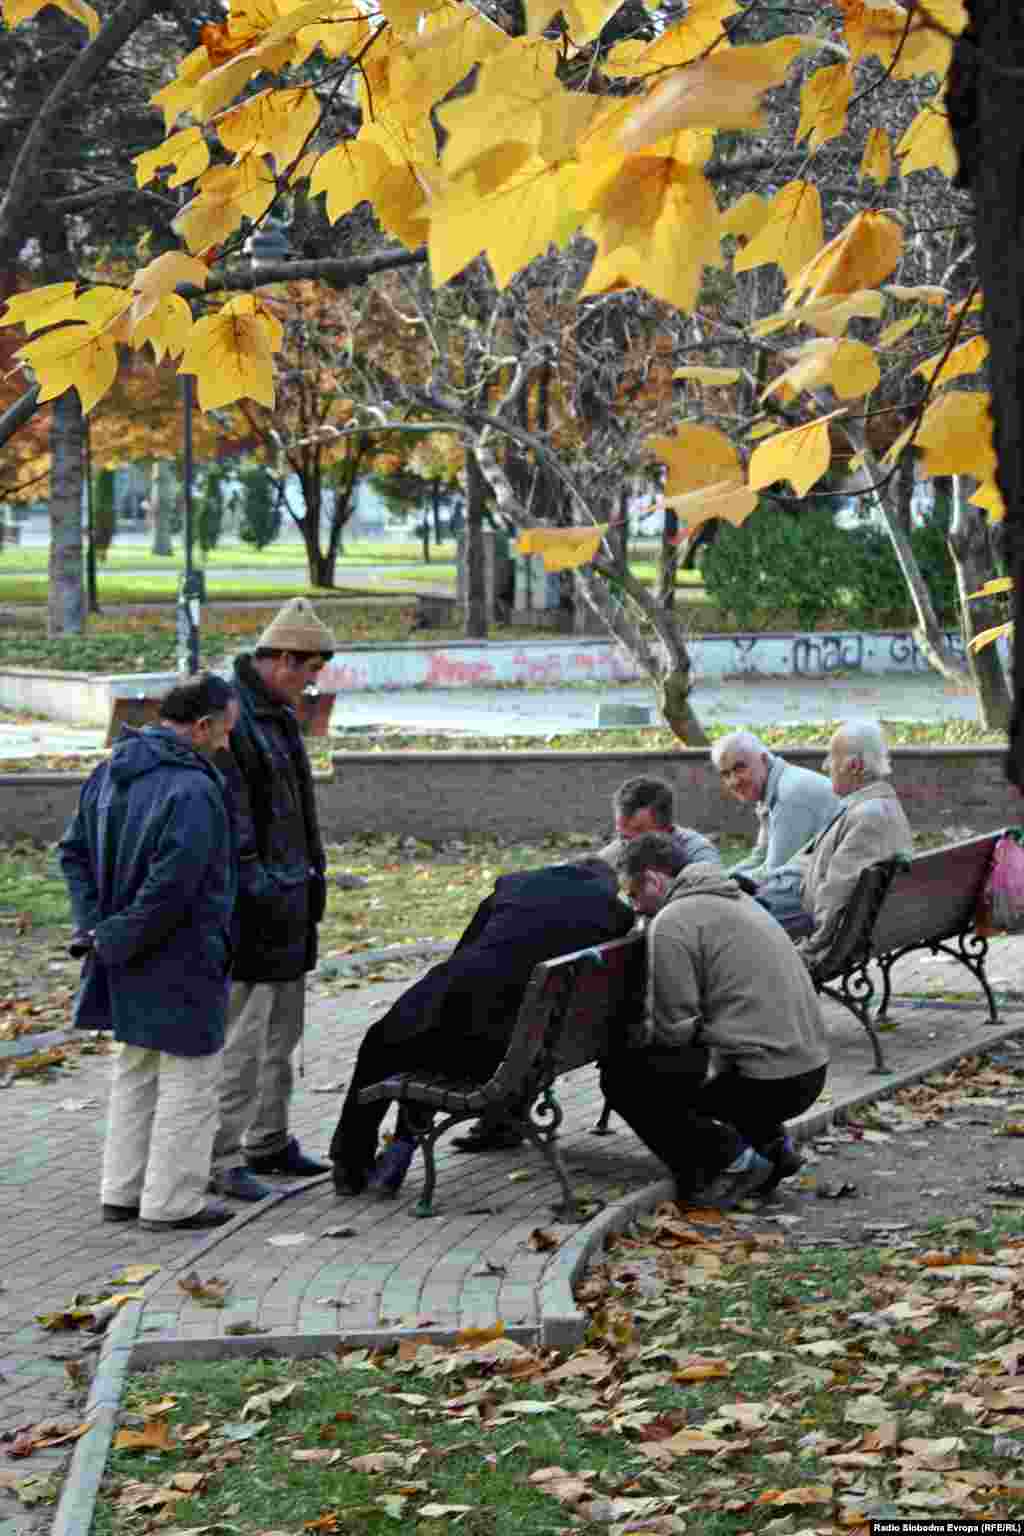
(1003, 901)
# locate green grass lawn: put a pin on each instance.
(751, 1389)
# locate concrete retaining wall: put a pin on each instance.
(530, 795)
(79, 698)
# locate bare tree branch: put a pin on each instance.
(19, 413)
(23, 186)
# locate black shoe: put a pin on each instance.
(391, 1167)
(484, 1137)
(787, 1160)
(120, 1213)
(291, 1159)
(348, 1182)
(209, 1216)
(734, 1184)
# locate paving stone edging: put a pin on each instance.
(562, 1323)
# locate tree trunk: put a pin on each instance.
(971, 548)
(161, 502)
(668, 562)
(986, 108)
(435, 507)
(425, 538)
(66, 597)
(475, 616)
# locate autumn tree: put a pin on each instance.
(503, 135)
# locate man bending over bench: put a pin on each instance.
(725, 984)
(808, 895)
(458, 1018)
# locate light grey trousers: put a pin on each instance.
(265, 1021)
(160, 1127)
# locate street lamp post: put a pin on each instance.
(191, 589)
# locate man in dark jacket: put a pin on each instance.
(459, 1017)
(280, 902)
(150, 860)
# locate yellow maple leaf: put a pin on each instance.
(230, 354)
(898, 329)
(428, 65)
(562, 549)
(830, 316)
(40, 307)
(101, 306)
(823, 103)
(955, 436)
(73, 357)
(226, 194)
(721, 91)
(876, 161)
(848, 367)
(791, 232)
(22, 10)
(166, 327)
(696, 457)
(401, 203)
(678, 44)
(801, 456)
(989, 497)
(223, 84)
(922, 293)
(860, 256)
(964, 359)
(513, 221)
(404, 15)
(746, 216)
(709, 376)
(903, 40)
(161, 276)
(978, 643)
(730, 500)
(275, 123)
(512, 90)
(928, 142)
(348, 173)
(638, 206)
(187, 151)
(177, 96)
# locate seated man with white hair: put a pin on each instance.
(792, 804)
(808, 895)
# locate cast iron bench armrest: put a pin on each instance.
(566, 1020)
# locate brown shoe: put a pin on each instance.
(209, 1216)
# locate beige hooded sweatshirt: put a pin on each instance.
(722, 973)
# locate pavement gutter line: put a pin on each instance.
(562, 1322)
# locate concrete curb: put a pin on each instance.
(562, 1322)
(363, 957)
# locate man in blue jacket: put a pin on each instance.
(150, 860)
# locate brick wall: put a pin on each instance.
(527, 795)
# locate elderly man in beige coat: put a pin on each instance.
(725, 987)
(808, 894)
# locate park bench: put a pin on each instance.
(571, 1007)
(932, 904)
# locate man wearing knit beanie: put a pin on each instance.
(281, 899)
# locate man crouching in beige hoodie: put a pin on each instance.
(725, 985)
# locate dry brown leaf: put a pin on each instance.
(378, 1461)
(541, 1241)
(155, 1436)
(480, 1335)
(703, 1370)
(208, 1293)
(812, 1493)
(194, 1432)
(188, 1482)
(264, 1403)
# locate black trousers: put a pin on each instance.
(695, 1126)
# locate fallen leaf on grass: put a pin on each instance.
(154, 1436)
(811, 1494)
(158, 1409)
(703, 1370)
(140, 1496)
(328, 1457)
(438, 1511)
(194, 1432)
(232, 1431)
(264, 1403)
(378, 1461)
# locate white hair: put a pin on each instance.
(737, 741)
(864, 739)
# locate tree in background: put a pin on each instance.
(211, 509)
(261, 518)
(104, 519)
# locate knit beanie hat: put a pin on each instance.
(297, 628)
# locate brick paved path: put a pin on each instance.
(470, 1264)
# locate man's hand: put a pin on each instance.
(82, 943)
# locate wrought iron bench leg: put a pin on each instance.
(885, 965)
(425, 1141)
(855, 991)
(971, 951)
(602, 1128)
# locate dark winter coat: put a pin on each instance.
(150, 860)
(281, 886)
(458, 1018)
